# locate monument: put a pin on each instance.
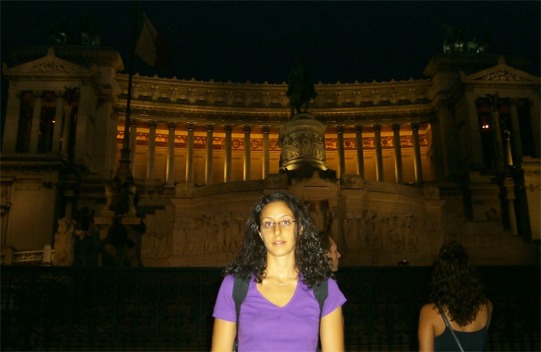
(302, 138)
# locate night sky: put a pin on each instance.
(257, 41)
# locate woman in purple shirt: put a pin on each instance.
(283, 259)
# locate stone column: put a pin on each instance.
(266, 158)
(68, 109)
(435, 153)
(58, 117)
(535, 112)
(36, 117)
(247, 145)
(359, 147)
(208, 164)
(13, 114)
(497, 133)
(133, 144)
(227, 162)
(379, 153)
(448, 141)
(113, 141)
(476, 151)
(418, 168)
(170, 168)
(85, 108)
(508, 148)
(151, 150)
(516, 139)
(397, 153)
(510, 188)
(189, 154)
(340, 147)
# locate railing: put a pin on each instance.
(170, 309)
(33, 258)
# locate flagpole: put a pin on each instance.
(124, 171)
(122, 187)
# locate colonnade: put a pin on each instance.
(373, 131)
(16, 139)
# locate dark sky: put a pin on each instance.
(258, 40)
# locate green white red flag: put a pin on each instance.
(151, 47)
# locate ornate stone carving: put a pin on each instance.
(502, 75)
(53, 67)
(302, 142)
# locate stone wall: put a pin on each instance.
(374, 223)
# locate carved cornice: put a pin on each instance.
(265, 95)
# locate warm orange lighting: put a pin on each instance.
(485, 126)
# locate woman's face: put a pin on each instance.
(334, 254)
(277, 229)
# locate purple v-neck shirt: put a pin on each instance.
(264, 326)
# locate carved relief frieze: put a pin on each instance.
(391, 232)
(53, 67)
(502, 75)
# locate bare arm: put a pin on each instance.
(332, 331)
(223, 336)
(425, 333)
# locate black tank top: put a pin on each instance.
(470, 341)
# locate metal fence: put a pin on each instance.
(170, 309)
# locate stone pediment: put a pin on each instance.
(501, 73)
(49, 65)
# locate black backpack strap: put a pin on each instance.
(321, 290)
(240, 290)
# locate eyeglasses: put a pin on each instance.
(269, 225)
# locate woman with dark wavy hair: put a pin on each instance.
(459, 309)
(284, 261)
(331, 248)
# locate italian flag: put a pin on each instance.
(150, 45)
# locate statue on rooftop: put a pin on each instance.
(300, 88)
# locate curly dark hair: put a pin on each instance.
(310, 257)
(325, 239)
(456, 285)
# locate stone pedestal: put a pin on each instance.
(302, 140)
(120, 239)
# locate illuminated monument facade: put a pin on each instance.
(392, 169)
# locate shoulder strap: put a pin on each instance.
(321, 290)
(450, 328)
(240, 290)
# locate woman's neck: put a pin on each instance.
(281, 268)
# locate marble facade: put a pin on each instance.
(414, 164)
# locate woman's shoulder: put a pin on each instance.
(429, 310)
(228, 280)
